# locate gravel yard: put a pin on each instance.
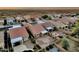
(72, 45)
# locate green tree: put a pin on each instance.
(65, 43)
(49, 17)
(75, 29)
(45, 16)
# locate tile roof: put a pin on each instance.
(67, 20)
(36, 29)
(18, 32)
(64, 20)
(44, 41)
(47, 24)
(57, 23)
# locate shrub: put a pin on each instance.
(65, 43)
(45, 16)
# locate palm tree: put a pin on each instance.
(5, 39)
(9, 43)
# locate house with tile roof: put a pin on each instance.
(58, 24)
(48, 26)
(37, 30)
(30, 18)
(18, 35)
(19, 18)
(10, 19)
(44, 42)
(68, 21)
(1, 21)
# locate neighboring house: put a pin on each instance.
(27, 18)
(26, 24)
(58, 24)
(48, 26)
(19, 18)
(67, 20)
(44, 42)
(57, 34)
(39, 20)
(37, 30)
(10, 20)
(18, 35)
(30, 18)
(64, 21)
(1, 21)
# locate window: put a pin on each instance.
(50, 30)
(16, 43)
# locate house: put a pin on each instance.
(10, 20)
(19, 18)
(1, 21)
(63, 20)
(68, 21)
(57, 34)
(73, 20)
(58, 24)
(40, 20)
(18, 36)
(44, 42)
(30, 18)
(27, 18)
(48, 26)
(37, 30)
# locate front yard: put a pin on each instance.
(72, 45)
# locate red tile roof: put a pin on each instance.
(18, 32)
(35, 29)
(66, 20)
